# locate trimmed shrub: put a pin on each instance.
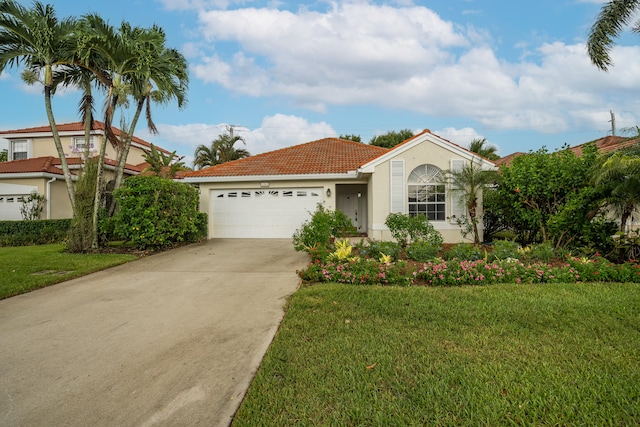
(154, 212)
(406, 228)
(38, 232)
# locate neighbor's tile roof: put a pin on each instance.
(608, 143)
(76, 127)
(37, 164)
(324, 156)
(50, 164)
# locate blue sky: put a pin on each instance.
(284, 72)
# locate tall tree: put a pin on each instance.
(391, 139)
(614, 16)
(37, 39)
(355, 138)
(468, 183)
(221, 150)
(481, 147)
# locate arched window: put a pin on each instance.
(426, 193)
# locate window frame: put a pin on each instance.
(426, 194)
(25, 150)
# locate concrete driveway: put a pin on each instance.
(169, 340)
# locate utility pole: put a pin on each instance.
(613, 123)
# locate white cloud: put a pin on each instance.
(275, 132)
(408, 58)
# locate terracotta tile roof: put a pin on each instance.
(507, 160)
(324, 156)
(608, 143)
(76, 127)
(50, 164)
(37, 164)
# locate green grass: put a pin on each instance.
(562, 354)
(18, 265)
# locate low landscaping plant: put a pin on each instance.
(422, 251)
(465, 251)
(324, 226)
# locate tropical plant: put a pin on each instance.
(619, 174)
(161, 164)
(42, 43)
(391, 138)
(221, 150)
(614, 16)
(481, 147)
(4, 155)
(467, 183)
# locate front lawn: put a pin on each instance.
(25, 268)
(507, 354)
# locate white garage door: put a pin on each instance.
(10, 206)
(261, 213)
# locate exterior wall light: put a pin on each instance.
(328, 192)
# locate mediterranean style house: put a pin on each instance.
(271, 194)
(33, 165)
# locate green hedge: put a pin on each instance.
(39, 232)
(154, 212)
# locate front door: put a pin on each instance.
(352, 200)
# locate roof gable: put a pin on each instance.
(427, 136)
(324, 156)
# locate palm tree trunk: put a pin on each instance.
(122, 160)
(63, 160)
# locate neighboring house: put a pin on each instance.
(270, 195)
(604, 145)
(34, 166)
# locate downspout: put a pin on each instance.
(49, 197)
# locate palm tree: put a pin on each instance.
(160, 75)
(37, 39)
(613, 17)
(619, 174)
(221, 150)
(468, 183)
(480, 146)
(161, 164)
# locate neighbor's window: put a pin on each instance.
(426, 193)
(19, 150)
(80, 144)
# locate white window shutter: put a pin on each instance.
(398, 199)
(458, 208)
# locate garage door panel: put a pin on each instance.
(258, 213)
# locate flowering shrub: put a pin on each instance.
(360, 271)
(460, 271)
